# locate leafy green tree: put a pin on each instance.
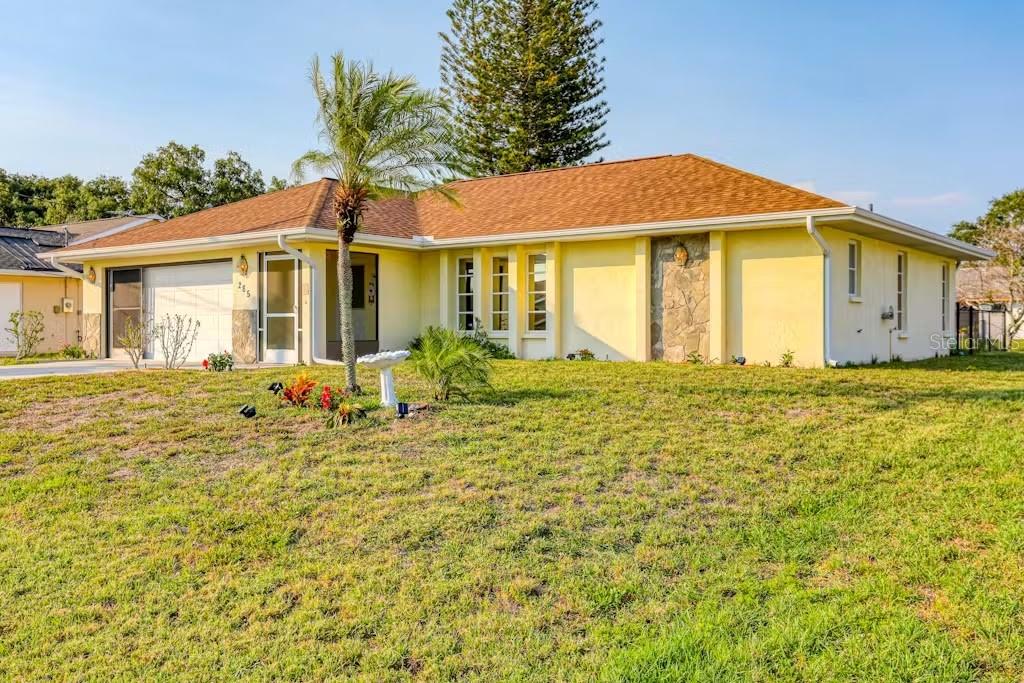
(171, 181)
(234, 179)
(23, 199)
(71, 200)
(383, 136)
(526, 82)
(105, 196)
(276, 184)
(1001, 229)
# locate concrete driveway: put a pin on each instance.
(64, 367)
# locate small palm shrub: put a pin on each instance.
(453, 364)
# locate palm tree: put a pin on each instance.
(382, 136)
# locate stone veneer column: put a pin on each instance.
(681, 298)
(245, 307)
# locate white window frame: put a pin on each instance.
(531, 291)
(464, 315)
(945, 297)
(500, 288)
(853, 274)
(901, 291)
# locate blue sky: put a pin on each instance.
(915, 107)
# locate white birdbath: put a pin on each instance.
(384, 361)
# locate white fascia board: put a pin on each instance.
(178, 246)
(969, 251)
(31, 273)
(747, 222)
(427, 243)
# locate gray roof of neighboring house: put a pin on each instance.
(20, 248)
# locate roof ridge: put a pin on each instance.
(568, 168)
(316, 206)
(763, 179)
(94, 220)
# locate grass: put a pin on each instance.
(587, 521)
(36, 358)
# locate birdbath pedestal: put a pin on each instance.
(384, 361)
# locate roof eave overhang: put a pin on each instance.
(851, 217)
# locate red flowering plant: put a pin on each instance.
(339, 406)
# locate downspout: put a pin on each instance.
(826, 253)
(70, 272)
(282, 242)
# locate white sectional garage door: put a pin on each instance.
(201, 291)
(10, 301)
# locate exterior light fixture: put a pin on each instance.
(888, 314)
(247, 411)
(402, 410)
(243, 265)
(92, 274)
(741, 360)
(276, 387)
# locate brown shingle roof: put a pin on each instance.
(645, 190)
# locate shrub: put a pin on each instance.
(26, 331)
(72, 351)
(694, 358)
(340, 406)
(786, 359)
(297, 393)
(451, 363)
(479, 337)
(496, 350)
(585, 354)
(176, 335)
(219, 362)
(135, 339)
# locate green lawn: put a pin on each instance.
(591, 520)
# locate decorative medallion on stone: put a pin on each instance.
(682, 256)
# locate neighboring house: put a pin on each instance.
(654, 258)
(987, 311)
(29, 282)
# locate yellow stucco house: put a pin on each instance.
(30, 282)
(655, 258)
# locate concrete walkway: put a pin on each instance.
(62, 367)
(92, 367)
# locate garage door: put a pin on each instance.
(201, 291)
(10, 301)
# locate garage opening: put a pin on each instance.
(200, 291)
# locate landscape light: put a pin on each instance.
(276, 387)
(247, 411)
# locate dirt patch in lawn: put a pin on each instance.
(52, 417)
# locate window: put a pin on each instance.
(901, 291)
(499, 294)
(536, 286)
(465, 294)
(358, 286)
(853, 286)
(125, 302)
(945, 297)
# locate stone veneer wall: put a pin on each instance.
(244, 335)
(680, 297)
(92, 334)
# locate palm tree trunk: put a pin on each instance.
(348, 337)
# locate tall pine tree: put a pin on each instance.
(525, 81)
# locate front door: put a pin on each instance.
(280, 309)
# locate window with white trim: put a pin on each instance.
(499, 294)
(536, 293)
(464, 292)
(853, 280)
(901, 291)
(945, 297)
